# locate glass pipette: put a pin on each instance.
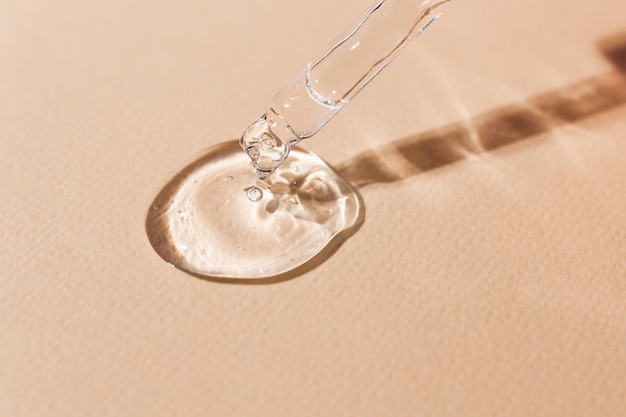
(328, 83)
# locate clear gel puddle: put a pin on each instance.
(217, 219)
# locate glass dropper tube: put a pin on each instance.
(328, 83)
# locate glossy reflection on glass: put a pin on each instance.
(217, 219)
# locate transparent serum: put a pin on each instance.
(213, 225)
(218, 218)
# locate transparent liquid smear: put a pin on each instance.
(217, 219)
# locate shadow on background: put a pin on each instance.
(488, 131)
(485, 132)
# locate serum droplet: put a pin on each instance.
(255, 194)
(224, 235)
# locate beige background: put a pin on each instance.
(489, 277)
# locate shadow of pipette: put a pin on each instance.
(497, 128)
(483, 133)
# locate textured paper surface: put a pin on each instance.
(489, 277)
